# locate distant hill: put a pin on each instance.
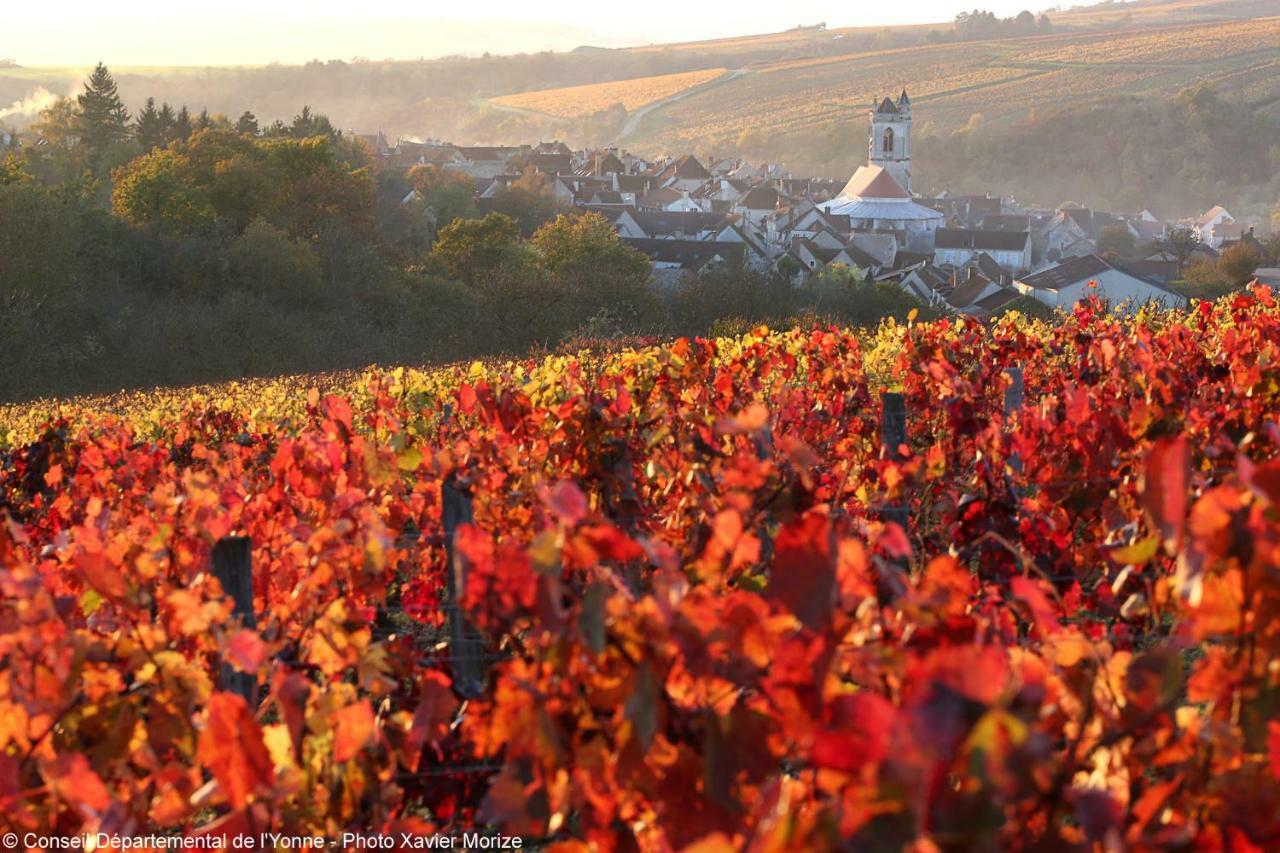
(798, 97)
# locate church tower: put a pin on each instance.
(890, 144)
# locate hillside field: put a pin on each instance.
(575, 101)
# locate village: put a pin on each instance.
(968, 254)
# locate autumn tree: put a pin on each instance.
(528, 200)
(450, 194)
(102, 119)
(468, 249)
(57, 124)
(1239, 262)
(221, 176)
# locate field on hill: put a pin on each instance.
(722, 593)
(575, 101)
(802, 105)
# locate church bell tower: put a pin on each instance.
(890, 143)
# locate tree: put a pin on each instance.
(148, 128)
(1239, 262)
(57, 124)
(594, 271)
(247, 123)
(307, 124)
(203, 122)
(264, 259)
(1117, 240)
(11, 171)
(1182, 241)
(528, 200)
(468, 248)
(157, 188)
(449, 193)
(102, 119)
(182, 125)
(168, 123)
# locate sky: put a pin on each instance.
(257, 32)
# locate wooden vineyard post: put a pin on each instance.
(893, 434)
(466, 647)
(232, 562)
(1013, 403)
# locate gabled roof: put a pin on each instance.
(1212, 213)
(688, 254)
(887, 106)
(686, 167)
(1006, 222)
(873, 182)
(981, 240)
(760, 198)
(969, 291)
(998, 300)
(488, 153)
(661, 197)
(657, 223)
(1067, 273)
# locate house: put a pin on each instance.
(409, 153)
(1211, 220)
(757, 204)
(676, 224)
(602, 162)
(486, 161)
(755, 253)
(685, 174)
(881, 245)
(979, 296)
(624, 222)
(816, 255)
(668, 198)
(966, 210)
(674, 260)
(1069, 234)
(1071, 280)
(1011, 250)
(1270, 276)
(926, 282)
(1006, 222)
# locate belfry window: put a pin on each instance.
(888, 140)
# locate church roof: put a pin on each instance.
(886, 106)
(872, 193)
(873, 182)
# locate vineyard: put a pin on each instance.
(940, 586)
(997, 79)
(578, 101)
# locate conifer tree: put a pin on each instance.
(248, 123)
(102, 118)
(147, 127)
(168, 121)
(182, 124)
(204, 122)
